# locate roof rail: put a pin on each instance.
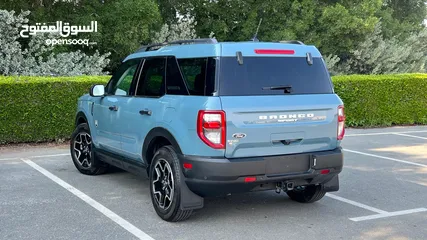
(292, 42)
(178, 42)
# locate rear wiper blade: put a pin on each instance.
(287, 88)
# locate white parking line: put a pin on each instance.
(406, 135)
(52, 155)
(386, 158)
(101, 208)
(388, 214)
(381, 133)
(40, 156)
(380, 213)
(9, 159)
(361, 205)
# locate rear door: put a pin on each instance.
(153, 103)
(142, 111)
(277, 105)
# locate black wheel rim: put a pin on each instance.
(83, 149)
(163, 184)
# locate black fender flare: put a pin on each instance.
(189, 200)
(158, 132)
(80, 115)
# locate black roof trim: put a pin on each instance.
(178, 42)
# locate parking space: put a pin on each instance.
(383, 195)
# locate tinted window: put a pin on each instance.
(199, 74)
(152, 80)
(121, 81)
(258, 72)
(174, 83)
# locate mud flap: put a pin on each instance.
(189, 200)
(332, 185)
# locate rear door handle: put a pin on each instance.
(145, 112)
(113, 108)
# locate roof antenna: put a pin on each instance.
(255, 39)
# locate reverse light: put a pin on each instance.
(211, 128)
(274, 51)
(341, 123)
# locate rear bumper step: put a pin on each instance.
(216, 176)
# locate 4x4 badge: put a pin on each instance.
(239, 135)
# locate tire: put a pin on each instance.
(165, 179)
(308, 194)
(81, 148)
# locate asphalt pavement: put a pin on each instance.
(383, 195)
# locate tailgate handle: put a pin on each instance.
(288, 141)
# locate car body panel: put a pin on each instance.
(226, 50)
(258, 128)
(307, 122)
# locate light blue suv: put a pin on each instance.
(202, 118)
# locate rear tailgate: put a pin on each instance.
(281, 102)
(282, 124)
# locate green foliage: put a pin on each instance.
(344, 24)
(383, 100)
(182, 29)
(37, 59)
(402, 17)
(122, 24)
(376, 55)
(36, 109)
(43, 108)
(335, 26)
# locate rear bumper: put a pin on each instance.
(218, 176)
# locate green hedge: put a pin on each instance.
(35, 109)
(383, 100)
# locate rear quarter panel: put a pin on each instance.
(180, 119)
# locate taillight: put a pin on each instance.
(211, 128)
(341, 123)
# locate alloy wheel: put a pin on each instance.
(163, 184)
(83, 149)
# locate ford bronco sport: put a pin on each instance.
(202, 118)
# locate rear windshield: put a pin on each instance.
(257, 73)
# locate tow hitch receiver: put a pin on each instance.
(285, 186)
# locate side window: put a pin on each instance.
(121, 81)
(152, 80)
(199, 74)
(174, 82)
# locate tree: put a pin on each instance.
(402, 17)
(344, 24)
(413, 11)
(335, 26)
(183, 29)
(122, 24)
(377, 55)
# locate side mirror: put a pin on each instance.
(97, 91)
